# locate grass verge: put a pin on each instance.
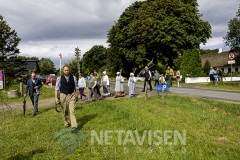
(47, 92)
(225, 86)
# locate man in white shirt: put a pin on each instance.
(212, 72)
(148, 76)
(81, 86)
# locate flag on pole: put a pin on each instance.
(60, 55)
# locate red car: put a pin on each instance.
(51, 78)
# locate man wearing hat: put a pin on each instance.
(119, 86)
(211, 73)
(148, 76)
(131, 85)
(105, 84)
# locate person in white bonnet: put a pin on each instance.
(105, 84)
(119, 86)
(132, 85)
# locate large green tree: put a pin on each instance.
(9, 51)
(206, 67)
(73, 67)
(94, 59)
(156, 29)
(46, 66)
(191, 63)
(232, 39)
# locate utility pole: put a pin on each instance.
(78, 55)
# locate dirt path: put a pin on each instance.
(188, 91)
(51, 101)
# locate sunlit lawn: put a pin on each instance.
(235, 86)
(212, 130)
(47, 92)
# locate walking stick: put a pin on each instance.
(59, 103)
(146, 91)
(24, 106)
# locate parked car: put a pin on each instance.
(43, 78)
(52, 78)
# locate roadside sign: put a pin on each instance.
(231, 56)
(231, 62)
(160, 86)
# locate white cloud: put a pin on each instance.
(52, 49)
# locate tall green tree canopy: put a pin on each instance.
(191, 63)
(73, 67)
(94, 59)
(8, 40)
(46, 66)
(9, 51)
(156, 29)
(206, 67)
(232, 39)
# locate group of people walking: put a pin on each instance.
(68, 87)
(166, 78)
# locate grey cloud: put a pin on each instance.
(59, 19)
(54, 20)
(218, 14)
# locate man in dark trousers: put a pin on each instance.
(67, 85)
(147, 74)
(33, 85)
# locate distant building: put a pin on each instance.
(219, 60)
(31, 65)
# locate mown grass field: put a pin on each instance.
(212, 130)
(224, 86)
(47, 92)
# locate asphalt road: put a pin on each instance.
(202, 93)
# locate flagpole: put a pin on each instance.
(60, 64)
(60, 61)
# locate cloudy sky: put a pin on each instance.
(48, 27)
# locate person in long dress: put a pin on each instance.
(105, 84)
(119, 86)
(132, 85)
(178, 77)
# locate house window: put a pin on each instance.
(229, 70)
(236, 69)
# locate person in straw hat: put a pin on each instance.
(132, 85)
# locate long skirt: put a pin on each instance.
(119, 87)
(105, 88)
(132, 87)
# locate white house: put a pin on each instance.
(220, 60)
